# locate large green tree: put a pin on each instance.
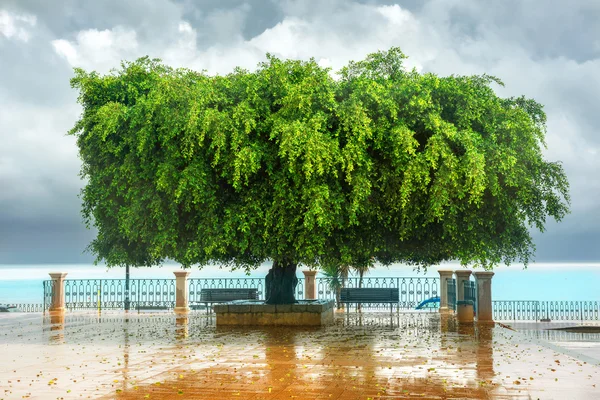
(289, 164)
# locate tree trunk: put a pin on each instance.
(280, 283)
(360, 283)
(361, 272)
(344, 276)
(360, 280)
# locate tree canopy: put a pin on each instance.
(290, 164)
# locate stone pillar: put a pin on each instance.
(181, 292)
(310, 285)
(483, 282)
(464, 311)
(58, 292)
(444, 275)
(462, 275)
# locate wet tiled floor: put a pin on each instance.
(368, 356)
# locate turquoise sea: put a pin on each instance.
(555, 281)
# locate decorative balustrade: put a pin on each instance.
(197, 284)
(451, 293)
(470, 293)
(112, 294)
(551, 335)
(412, 290)
(531, 310)
(105, 294)
(27, 307)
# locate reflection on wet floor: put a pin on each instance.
(361, 356)
(582, 344)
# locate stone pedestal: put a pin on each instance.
(483, 281)
(462, 275)
(181, 292)
(464, 312)
(58, 292)
(445, 274)
(310, 285)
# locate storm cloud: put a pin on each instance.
(547, 50)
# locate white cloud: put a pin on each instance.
(99, 50)
(16, 26)
(397, 16)
(320, 36)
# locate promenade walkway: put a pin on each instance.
(369, 356)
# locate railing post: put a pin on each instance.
(310, 287)
(181, 292)
(445, 274)
(57, 304)
(399, 294)
(483, 280)
(126, 302)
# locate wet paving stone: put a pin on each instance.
(360, 356)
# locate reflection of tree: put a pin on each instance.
(344, 361)
(366, 343)
(125, 369)
(280, 356)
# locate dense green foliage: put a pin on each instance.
(289, 164)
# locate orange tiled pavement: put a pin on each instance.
(376, 356)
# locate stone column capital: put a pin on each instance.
(58, 275)
(445, 273)
(463, 273)
(483, 274)
(309, 273)
(181, 274)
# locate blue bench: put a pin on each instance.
(211, 296)
(357, 296)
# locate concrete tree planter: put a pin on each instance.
(257, 313)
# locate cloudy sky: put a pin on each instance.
(548, 50)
